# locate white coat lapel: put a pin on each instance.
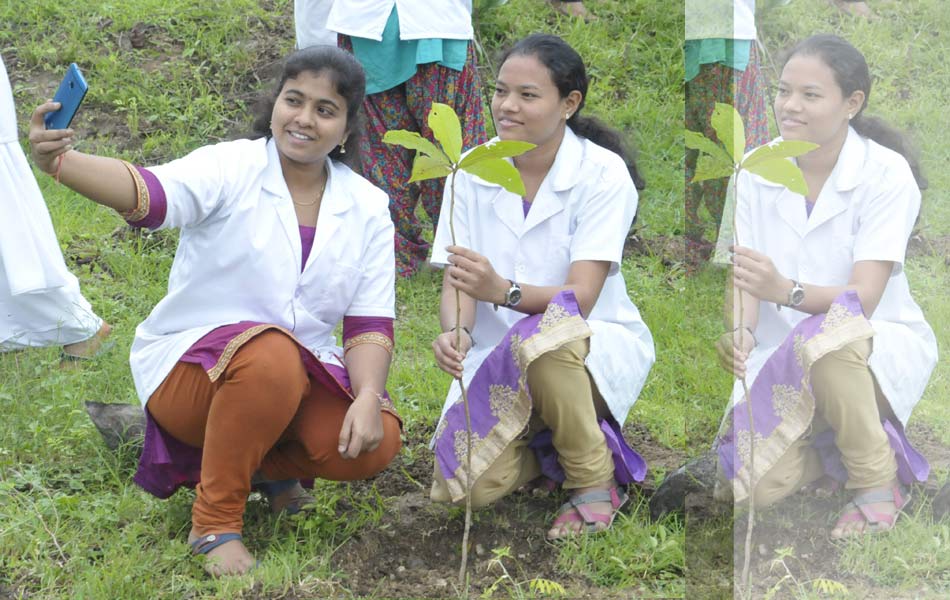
(507, 207)
(844, 177)
(791, 208)
(563, 175)
(274, 184)
(336, 201)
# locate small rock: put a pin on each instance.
(763, 551)
(697, 477)
(440, 583)
(941, 503)
(119, 424)
(479, 549)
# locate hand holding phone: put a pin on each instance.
(70, 94)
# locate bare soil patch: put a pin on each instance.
(415, 552)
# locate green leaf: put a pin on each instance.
(426, 167)
(446, 128)
(782, 172)
(414, 141)
(698, 141)
(727, 123)
(496, 149)
(500, 172)
(710, 168)
(777, 150)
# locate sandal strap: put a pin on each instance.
(207, 543)
(895, 495)
(615, 497)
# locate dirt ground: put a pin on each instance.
(798, 528)
(415, 552)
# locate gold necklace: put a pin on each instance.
(319, 196)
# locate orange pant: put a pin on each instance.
(264, 413)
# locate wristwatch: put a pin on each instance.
(512, 296)
(796, 295)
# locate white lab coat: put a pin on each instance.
(418, 19)
(866, 211)
(310, 23)
(727, 19)
(40, 302)
(239, 255)
(582, 211)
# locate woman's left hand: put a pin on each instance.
(362, 429)
(755, 274)
(472, 273)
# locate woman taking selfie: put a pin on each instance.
(237, 366)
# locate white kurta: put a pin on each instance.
(582, 211)
(239, 253)
(866, 211)
(40, 302)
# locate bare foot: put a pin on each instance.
(575, 524)
(230, 558)
(89, 348)
(572, 9)
(858, 9)
(853, 522)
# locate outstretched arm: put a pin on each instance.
(102, 180)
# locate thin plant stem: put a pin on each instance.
(468, 416)
(747, 558)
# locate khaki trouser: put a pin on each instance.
(262, 413)
(849, 401)
(564, 399)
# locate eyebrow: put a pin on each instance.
(319, 100)
(807, 86)
(523, 87)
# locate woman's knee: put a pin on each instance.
(551, 368)
(837, 366)
(270, 359)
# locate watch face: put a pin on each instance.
(514, 296)
(798, 296)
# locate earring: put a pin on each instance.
(850, 116)
(342, 147)
(567, 117)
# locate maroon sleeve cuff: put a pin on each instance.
(353, 326)
(157, 204)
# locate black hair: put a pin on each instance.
(568, 73)
(851, 74)
(346, 74)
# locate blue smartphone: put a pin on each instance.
(70, 94)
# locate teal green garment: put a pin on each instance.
(393, 61)
(732, 53)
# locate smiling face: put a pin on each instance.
(810, 105)
(309, 118)
(527, 106)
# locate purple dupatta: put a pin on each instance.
(500, 404)
(783, 405)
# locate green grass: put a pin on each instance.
(72, 524)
